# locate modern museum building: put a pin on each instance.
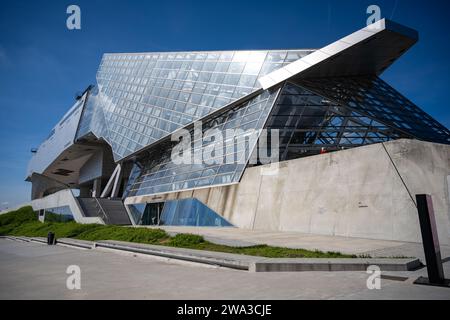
(307, 140)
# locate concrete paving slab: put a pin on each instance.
(41, 274)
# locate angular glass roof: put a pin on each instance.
(374, 98)
(147, 96)
(308, 122)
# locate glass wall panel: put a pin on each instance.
(371, 96)
(137, 211)
(222, 161)
(191, 212)
(58, 214)
(310, 124)
(183, 212)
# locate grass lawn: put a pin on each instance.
(24, 222)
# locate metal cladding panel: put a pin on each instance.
(61, 138)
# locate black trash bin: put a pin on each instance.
(51, 240)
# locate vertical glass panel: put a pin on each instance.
(190, 212)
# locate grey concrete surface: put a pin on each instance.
(64, 198)
(229, 235)
(36, 271)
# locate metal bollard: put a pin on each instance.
(51, 239)
(430, 243)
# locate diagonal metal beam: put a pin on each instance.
(111, 180)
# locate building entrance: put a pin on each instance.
(152, 214)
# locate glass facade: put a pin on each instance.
(142, 98)
(183, 212)
(371, 96)
(93, 119)
(309, 123)
(329, 114)
(58, 214)
(155, 172)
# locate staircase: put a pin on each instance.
(115, 211)
(111, 211)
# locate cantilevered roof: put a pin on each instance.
(368, 51)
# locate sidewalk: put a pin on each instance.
(30, 270)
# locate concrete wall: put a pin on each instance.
(41, 185)
(100, 165)
(365, 192)
(92, 169)
(64, 198)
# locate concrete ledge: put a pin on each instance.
(76, 243)
(243, 262)
(24, 239)
(207, 257)
(261, 264)
(309, 264)
(38, 239)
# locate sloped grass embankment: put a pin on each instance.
(24, 222)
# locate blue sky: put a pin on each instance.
(43, 64)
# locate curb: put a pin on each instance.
(76, 243)
(302, 265)
(223, 262)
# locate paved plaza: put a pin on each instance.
(36, 271)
